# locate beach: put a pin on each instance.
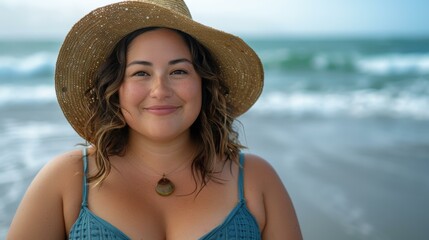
(348, 178)
(345, 123)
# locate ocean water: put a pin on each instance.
(345, 122)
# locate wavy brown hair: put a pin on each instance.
(212, 131)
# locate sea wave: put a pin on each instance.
(358, 103)
(40, 64)
(355, 62)
(394, 64)
(363, 103)
(16, 94)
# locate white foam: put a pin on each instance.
(29, 65)
(394, 64)
(36, 139)
(26, 94)
(362, 103)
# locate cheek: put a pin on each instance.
(194, 88)
(130, 97)
(194, 93)
(123, 100)
(129, 94)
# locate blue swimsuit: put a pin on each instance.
(240, 224)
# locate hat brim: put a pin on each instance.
(93, 38)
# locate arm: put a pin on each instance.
(40, 214)
(280, 218)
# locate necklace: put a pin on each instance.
(165, 187)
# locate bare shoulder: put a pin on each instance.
(275, 210)
(257, 165)
(68, 162)
(64, 164)
(55, 175)
(260, 173)
(58, 172)
(41, 213)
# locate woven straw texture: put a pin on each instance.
(92, 39)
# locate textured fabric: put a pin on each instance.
(240, 224)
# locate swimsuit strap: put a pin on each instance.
(85, 170)
(240, 177)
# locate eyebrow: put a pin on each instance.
(172, 62)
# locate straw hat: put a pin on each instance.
(92, 39)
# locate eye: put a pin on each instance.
(141, 74)
(179, 72)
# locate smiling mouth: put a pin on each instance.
(161, 110)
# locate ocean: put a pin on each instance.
(345, 122)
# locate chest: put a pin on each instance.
(139, 213)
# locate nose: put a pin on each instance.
(161, 88)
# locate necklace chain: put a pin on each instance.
(165, 187)
(178, 169)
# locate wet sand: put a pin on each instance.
(348, 178)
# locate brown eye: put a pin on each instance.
(141, 74)
(179, 72)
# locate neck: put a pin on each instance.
(160, 156)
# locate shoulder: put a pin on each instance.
(60, 177)
(259, 171)
(262, 177)
(269, 200)
(63, 167)
(42, 212)
(64, 176)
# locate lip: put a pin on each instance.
(161, 109)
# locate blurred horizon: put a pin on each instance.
(251, 19)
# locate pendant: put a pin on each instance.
(164, 187)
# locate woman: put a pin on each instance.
(155, 95)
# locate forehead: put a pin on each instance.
(160, 42)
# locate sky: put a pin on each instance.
(379, 18)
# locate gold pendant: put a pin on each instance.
(164, 187)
